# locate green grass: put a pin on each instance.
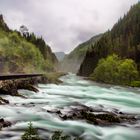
(53, 77)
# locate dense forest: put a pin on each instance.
(23, 53)
(72, 61)
(123, 40)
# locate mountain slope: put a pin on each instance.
(60, 55)
(72, 61)
(42, 46)
(123, 39)
(20, 55)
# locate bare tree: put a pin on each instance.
(24, 30)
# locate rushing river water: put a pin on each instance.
(74, 89)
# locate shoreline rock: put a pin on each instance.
(94, 116)
(11, 87)
(3, 101)
(4, 123)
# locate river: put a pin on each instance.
(73, 90)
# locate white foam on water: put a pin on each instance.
(73, 90)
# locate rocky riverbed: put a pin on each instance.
(95, 116)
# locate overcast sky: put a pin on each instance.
(64, 23)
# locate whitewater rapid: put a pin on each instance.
(74, 89)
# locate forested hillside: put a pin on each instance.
(123, 40)
(23, 54)
(72, 61)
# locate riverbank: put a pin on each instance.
(11, 87)
(134, 84)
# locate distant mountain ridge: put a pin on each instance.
(72, 61)
(60, 55)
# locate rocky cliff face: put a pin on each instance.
(123, 40)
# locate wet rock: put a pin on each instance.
(65, 117)
(58, 112)
(1, 120)
(120, 112)
(4, 123)
(3, 101)
(94, 116)
(54, 111)
(10, 87)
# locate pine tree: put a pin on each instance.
(31, 133)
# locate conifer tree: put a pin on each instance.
(31, 133)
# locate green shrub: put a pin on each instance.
(58, 135)
(127, 71)
(30, 134)
(135, 84)
(114, 70)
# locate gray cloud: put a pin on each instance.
(64, 23)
